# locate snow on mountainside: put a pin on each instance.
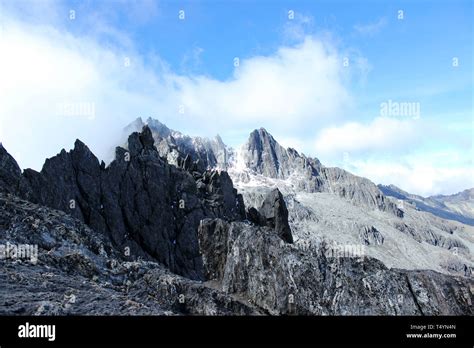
(326, 204)
(174, 146)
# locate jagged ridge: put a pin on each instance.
(209, 238)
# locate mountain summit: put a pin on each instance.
(324, 203)
(263, 155)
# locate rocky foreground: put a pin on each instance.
(144, 236)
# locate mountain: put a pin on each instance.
(164, 229)
(9, 172)
(461, 203)
(175, 146)
(331, 205)
(263, 155)
(140, 201)
(458, 207)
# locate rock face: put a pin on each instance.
(146, 236)
(262, 155)
(360, 191)
(280, 279)
(10, 172)
(370, 235)
(148, 207)
(78, 271)
(203, 153)
(265, 156)
(273, 213)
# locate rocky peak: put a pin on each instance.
(9, 172)
(274, 211)
(144, 204)
(83, 156)
(203, 153)
(263, 155)
(159, 128)
(135, 126)
(138, 142)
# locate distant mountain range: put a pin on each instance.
(459, 206)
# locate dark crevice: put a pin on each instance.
(415, 299)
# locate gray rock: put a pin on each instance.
(205, 154)
(275, 213)
(278, 278)
(78, 271)
(148, 207)
(264, 155)
(369, 235)
(10, 172)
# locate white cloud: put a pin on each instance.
(420, 174)
(297, 27)
(192, 59)
(295, 85)
(44, 69)
(400, 151)
(293, 142)
(381, 134)
(371, 28)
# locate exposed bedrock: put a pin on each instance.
(148, 207)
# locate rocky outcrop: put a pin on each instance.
(358, 190)
(203, 153)
(272, 213)
(280, 279)
(78, 271)
(369, 235)
(265, 156)
(148, 207)
(429, 235)
(213, 235)
(10, 172)
(250, 270)
(262, 154)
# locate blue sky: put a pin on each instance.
(316, 80)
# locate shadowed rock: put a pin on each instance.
(275, 214)
(148, 207)
(10, 172)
